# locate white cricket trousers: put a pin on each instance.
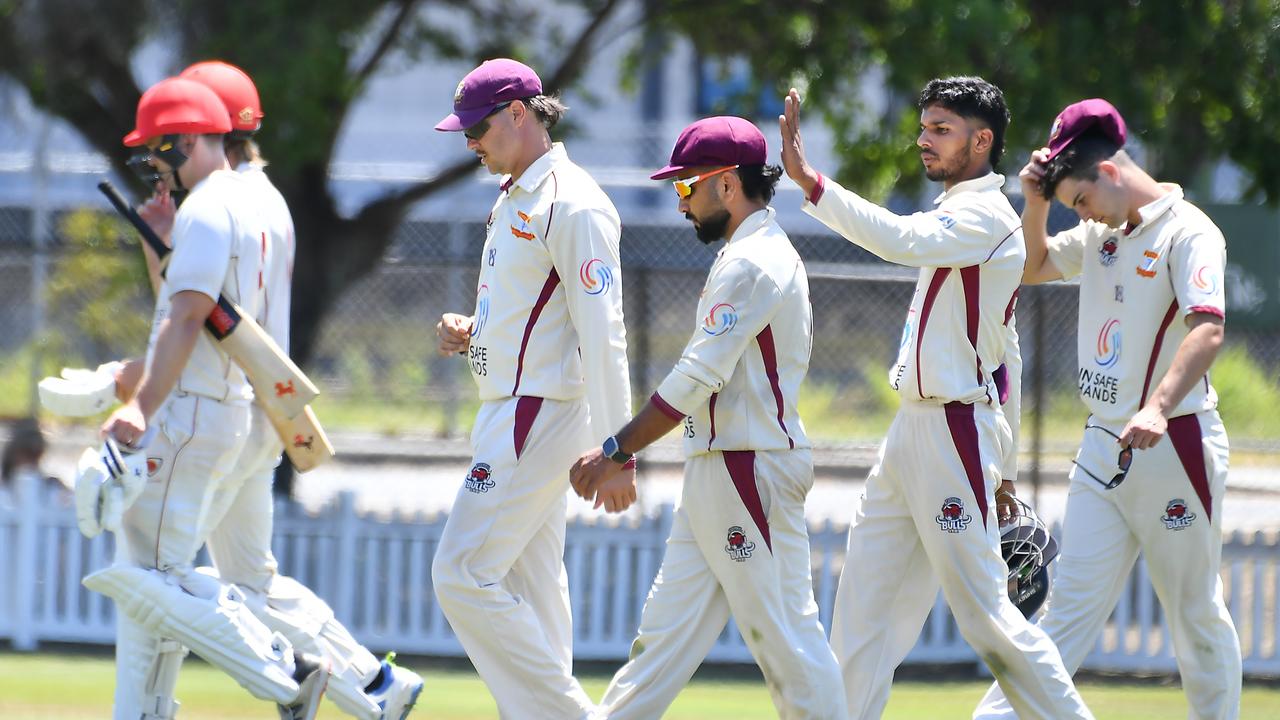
(1169, 508)
(241, 525)
(739, 544)
(197, 444)
(928, 518)
(499, 569)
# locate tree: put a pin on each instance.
(1195, 79)
(311, 59)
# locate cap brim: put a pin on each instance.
(460, 120)
(134, 139)
(669, 171)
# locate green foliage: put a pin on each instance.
(99, 288)
(1195, 79)
(1248, 395)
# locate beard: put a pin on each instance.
(710, 229)
(947, 171)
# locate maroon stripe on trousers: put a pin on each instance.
(1155, 350)
(742, 470)
(971, 278)
(770, 357)
(1184, 433)
(964, 435)
(935, 284)
(526, 412)
(552, 281)
(711, 417)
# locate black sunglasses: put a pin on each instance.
(477, 131)
(1123, 462)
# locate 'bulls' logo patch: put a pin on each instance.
(953, 518)
(1107, 252)
(1177, 515)
(739, 547)
(479, 480)
(154, 465)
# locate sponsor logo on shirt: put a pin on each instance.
(596, 277)
(906, 329)
(953, 518)
(946, 219)
(482, 311)
(1147, 267)
(1205, 279)
(1107, 252)
(722, 318)
(1108, 351)
(1177, 515)
(479, 480)
(739, 547)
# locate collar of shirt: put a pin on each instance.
(533, 175)
(1154, 209)
(752, 223)
(987, 182)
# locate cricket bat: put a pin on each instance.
(280, 385)
(304, 440)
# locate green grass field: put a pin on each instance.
(66, 687)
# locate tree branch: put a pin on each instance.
(387, 42)
(394, 204)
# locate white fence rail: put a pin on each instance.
(377, 576)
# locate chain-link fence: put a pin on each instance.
(375, 358)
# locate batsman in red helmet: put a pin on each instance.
(240, 520)
(190, 414)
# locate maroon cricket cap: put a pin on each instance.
(719, 141)
(485, 88)
(1075, 119)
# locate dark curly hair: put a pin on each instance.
(759, 181)
(971, 97)
(1079, 160)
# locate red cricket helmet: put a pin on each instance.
(177, 106)
(234, 87)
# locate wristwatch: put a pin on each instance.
(614, 453)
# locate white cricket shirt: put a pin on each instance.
(970, 254)
(1136, 291)
(737, 384)
(278, 273)
(219, 248)
(548, 318)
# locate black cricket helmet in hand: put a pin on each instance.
(1027, 548)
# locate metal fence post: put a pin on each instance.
(1038, 389)
(27, 488)
(639, 292)
(39, 267)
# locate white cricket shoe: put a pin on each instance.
(398, 692)
(312, 675)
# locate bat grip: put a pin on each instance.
(123, 207)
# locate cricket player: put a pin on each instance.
(928, 514)
(1152, 308)
(739, 543)
(196, 403)
(547, 348)
(240, 517)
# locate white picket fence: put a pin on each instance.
(377, 576)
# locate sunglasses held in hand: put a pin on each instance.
(1122, 462)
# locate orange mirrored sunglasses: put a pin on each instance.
(684, 186)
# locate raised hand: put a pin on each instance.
(793, 159)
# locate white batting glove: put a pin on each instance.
(108, 481)
(80, 392)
